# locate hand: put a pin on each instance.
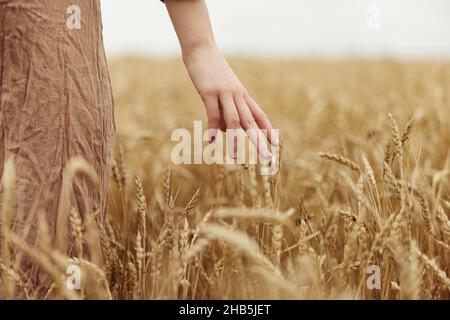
(228, 104)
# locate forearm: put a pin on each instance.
(228, 104)
(192, 24)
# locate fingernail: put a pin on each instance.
(212, 135)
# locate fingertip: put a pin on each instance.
(267, 155)
(212, 134)
(275, 140)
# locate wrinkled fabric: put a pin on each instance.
(55, 104)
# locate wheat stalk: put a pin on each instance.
(340, 159)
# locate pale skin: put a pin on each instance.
(228, 104)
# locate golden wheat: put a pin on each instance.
(310, 231)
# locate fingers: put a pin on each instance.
(249, 124)
(262, 120)
(213, 113)
(232, 121)
(239, 111)
(222, 124)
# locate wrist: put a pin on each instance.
(197, 48)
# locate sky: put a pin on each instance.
(304, 28)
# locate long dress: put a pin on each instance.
(55, 104)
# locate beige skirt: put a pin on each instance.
(55, 104)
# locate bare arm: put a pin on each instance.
(228, 104)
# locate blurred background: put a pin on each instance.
(366, 82)
(318, 28)
(326, 72)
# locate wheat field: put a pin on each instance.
(363, 182)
